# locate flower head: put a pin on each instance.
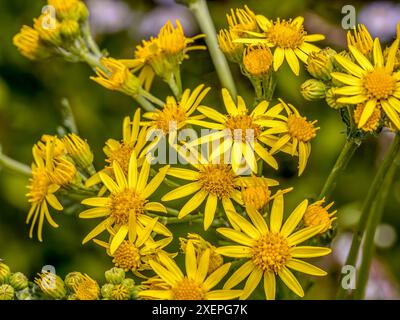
(51, 285)
(318, 215)
(361, 39)
(240, 130)
(194, 285)
(373, 84)
(242, 20)
(288, 38)
(86, 288)
(272, 250)
(117, 76)
(79, 150)
(257, 60)
(126, 206)
(296, 132)
(30, 45)
(233, 50)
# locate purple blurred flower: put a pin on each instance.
(153, 21)
(110, 16)
(381, 18)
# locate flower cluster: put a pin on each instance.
(220, 176)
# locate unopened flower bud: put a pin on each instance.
(6, 292)
(331, 99)
(48, 29)
(18, 281)
(51, 285)
(73, 278)
(4, 273)
(120, 292)
(106, 290)
(79, 150)
(115, 275)
(70, 29)
(313, 90)
(320, 64)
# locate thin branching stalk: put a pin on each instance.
(368, 202)
(203, 17)
(14, 166)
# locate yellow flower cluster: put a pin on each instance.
(220, 182)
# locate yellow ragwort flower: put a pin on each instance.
(289, 39)
(240, 130)
(271, 250)
(195, 284)
(175, 115)
(86, 288)
(117, 76)
(295, 135)
(200, 246)
(256, 191)
(211, 181)
(242, 20)
(163, 55)
(373, 84)
(126, 206)
(134, 254)
(361, 39)
(233, 50)
(257, 60)
(373, 122)
(318, 215)
(41, 193)
(79, 150)
(30, 45)
(70, 9)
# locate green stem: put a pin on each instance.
(346, 154)
(92, 60)
(151, 98)
(190, 218)
(68, 116)
(89, 39)
(14, 166)
(147, 105)
(369, 200)
(202, 14)
(172, 211)
(375, 217)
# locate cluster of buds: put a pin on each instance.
(61, 29)
(117, 286)
(12, 285)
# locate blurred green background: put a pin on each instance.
(30, 95)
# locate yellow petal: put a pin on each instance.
(239, 275)
(279, 56)
(292, 60)
(361, 59)
(229, 103)
(156, 294)
(154, 183)
(377, 52)
(223, 294)
(202, 268)
(277, 214)
(303, 235)
(119, 176)
(133, 171)
(291, 282)
(170, 264)
(184, 174)
(109, 183)
(251, 284)
(182, 191)
(53, 201)
(236, 236)
(94, 213)
(305, 267)
(155, 206)
(190, 261)
(118, 238)
(214, 278)
(309, 252)
(193, 203)
(367, 112)
(209, 212)
(257, 219)
(294, 219)
(97, 202)
(265, 155)
(269, 285)
(97, 230)
(164, 274)
(346, 79)
(393, 116)
(350, 66)
(234, 251)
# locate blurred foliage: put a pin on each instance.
(30, 100)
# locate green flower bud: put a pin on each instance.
(331, 98)
(72, 278)
(120, 292)
(106, 290)
(70, 29)
(83, 12)
(313, 90)
(320, 64)
(18, 281)
(130, 285)
(72, 297)
(115, 275)
(51, 285)
(4, 273)
(6, 292)
(24, 294)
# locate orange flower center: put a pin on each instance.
(300, 128)
(242, 127)
(217, 179)
(284, 34)
(188, 290)
(125, 203)
(379, 84)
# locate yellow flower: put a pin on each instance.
(256, 193)
(242, 20)
(374, 84)
(373, 122)
(30, 45)
(288, 38)
(86, 288)
(211, 181)
(257, 60)
(126, 207)
(50, 35)
(240, 130)
(234, 51)
(41, 193)
(134, 254)
(361, 39)
(296, 134)
(318, 215)
(133, 139)
(271, 250)
(200, 246)
(51, 285)
(163, 55)
(117, 76)
(195, 285)
(175, 115)
(79, 150)
(70, 9)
